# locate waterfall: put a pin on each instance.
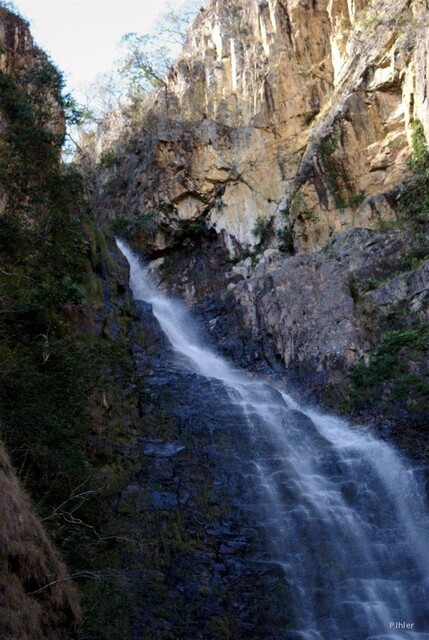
(344, 514)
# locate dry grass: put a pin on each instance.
(28, 561)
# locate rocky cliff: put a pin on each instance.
(278, 181)
(287, 127)
(281, 111)
(66, 371)
(29, 608)
(37, 600)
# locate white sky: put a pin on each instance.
(81, 35)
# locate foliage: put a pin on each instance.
(414, 258)
(55, 382)
(12, 11)
(336, 175)
(309, 117)
(196, 227)
(47, 373)
(389, 364)
(144, 222)
(263, 228)
(355, 200)
(327, 148)
(30, 148)
(108, 158)
(43, 259)
(414, 197)
(44, 429)
(420, 157)
(75, 113)
(143, 62)
(173, 24)
(303, 209)
(286, 239)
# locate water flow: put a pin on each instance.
(344, 514)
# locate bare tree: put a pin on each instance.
(174, 23)
(141, 67)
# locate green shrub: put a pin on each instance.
(108, 158)
(45, 429)
(338, 180)
(355, 200)
(389, 364)
(263, 228)
(197, 227)
(44, 256)
(286, 240)
(52, 377)
(120, 227)
(145, 222)
(414, 197)
(303, 209)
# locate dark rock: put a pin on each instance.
(163, 500)
(159, 449)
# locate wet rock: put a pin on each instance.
(192, 514)
(159, 449)
(163, 500)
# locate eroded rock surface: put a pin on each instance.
(295, 113)
(267, 180)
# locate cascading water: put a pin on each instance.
(344, 515)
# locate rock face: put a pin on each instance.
(316, 317)
(37, 599)
(30, 609)
(295, 113)
(32, 70)
(315, 307)
(193, 510)
(285, 128)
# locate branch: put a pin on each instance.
(91, 575)
(68, 515)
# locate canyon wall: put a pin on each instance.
(287, 127)
(29, 608)
(294, 113)
(37, 599)
(269, 183)
(270, 186)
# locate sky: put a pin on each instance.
(81, 35)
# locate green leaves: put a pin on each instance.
(145, 222)
(76, 114)
(414, 197)
(389, 364)
(263, 228)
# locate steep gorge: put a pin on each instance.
(268, 183)
(287, 128)
(66, 367)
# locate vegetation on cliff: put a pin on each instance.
(305, 157)
(27, 563)
(64, 356)
(68, 394)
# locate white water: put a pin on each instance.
(344, 514)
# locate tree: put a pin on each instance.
(144, 64)
(173, 25)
